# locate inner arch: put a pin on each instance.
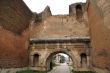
(51, 55)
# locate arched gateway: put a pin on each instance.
(42, 50)
(57, 51)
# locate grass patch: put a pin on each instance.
(83, 71)
(31, 71)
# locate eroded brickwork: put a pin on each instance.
(14, 33)
(99, 15)
(14, 15)
(61, 26)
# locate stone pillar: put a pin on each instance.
(88, 61)
(31, 57)
(31, 60)
(88, 54)
(42, 66)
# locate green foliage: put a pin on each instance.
(52, 64)
(31, 71)
(62, 60)
(83, 71)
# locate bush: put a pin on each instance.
(52, 64)
(30, 71)
(83, 71)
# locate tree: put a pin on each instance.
(62, 59)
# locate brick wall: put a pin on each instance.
(14, 33)
(99, 15)
(14, 15)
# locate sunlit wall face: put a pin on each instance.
(56, 6)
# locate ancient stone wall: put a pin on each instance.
(99, 15)
(61, 26)
(14, 33)
(46, 13)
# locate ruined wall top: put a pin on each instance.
(73, 7)
(73, 11)
(61, 26)
(46, 13)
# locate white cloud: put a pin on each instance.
(56, 6)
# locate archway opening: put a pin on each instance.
(58, 59)
(79, 11)
(83, 57)
(35, 60)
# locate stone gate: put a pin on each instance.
(42, 51)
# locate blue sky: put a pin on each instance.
(56, 6)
